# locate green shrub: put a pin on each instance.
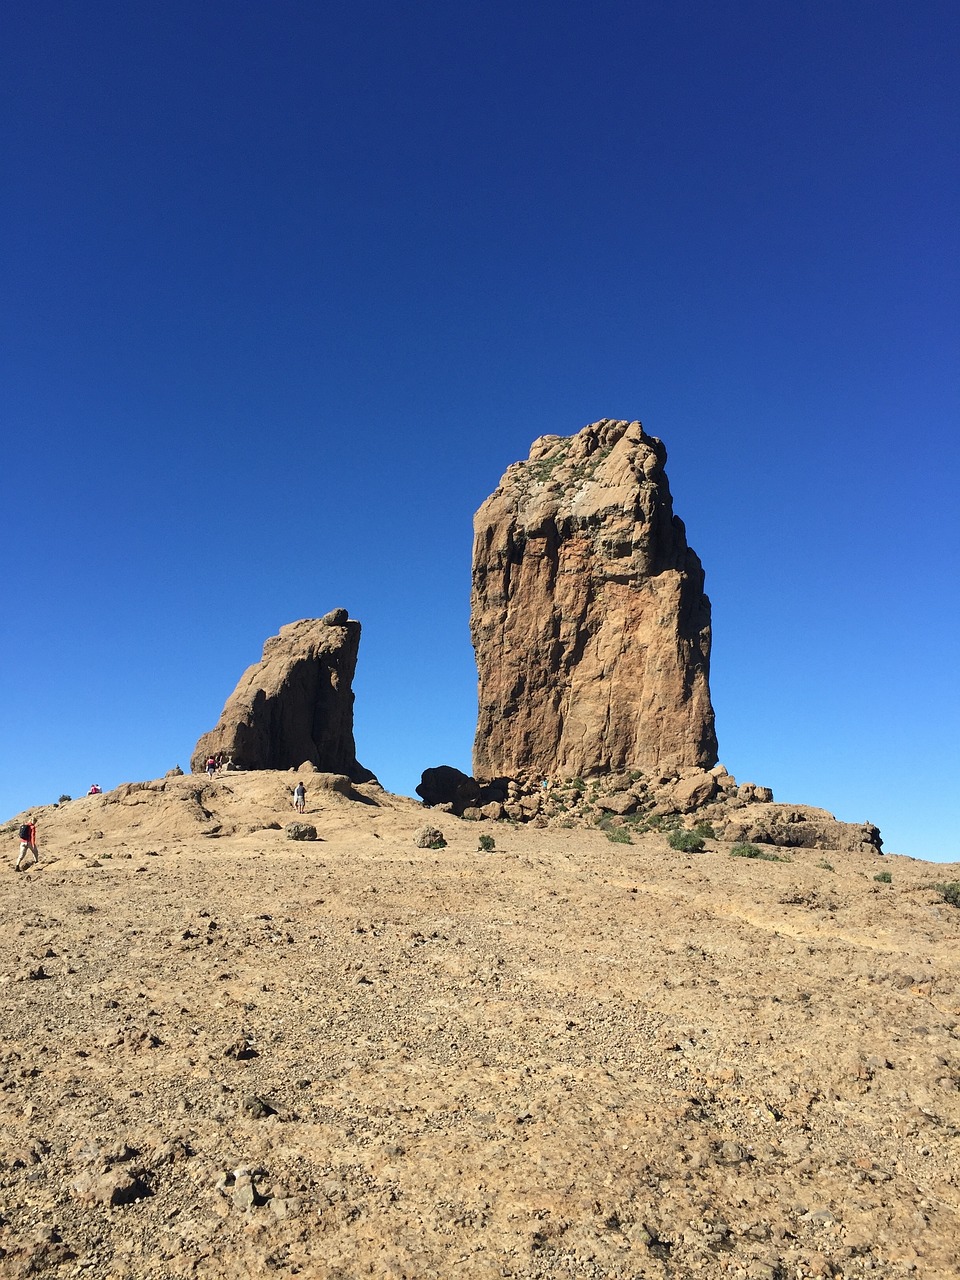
(64, 799)
(950, 892)
(753, 851)
(578, 784)
(883, 877)
(486, 844)
(636, 821)
(706, 830)
(824, 865)
(618, 835)
(685, 841)
(663, 823)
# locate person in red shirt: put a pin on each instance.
(28, 843)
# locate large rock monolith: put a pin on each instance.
(588, 615)
(295, 706)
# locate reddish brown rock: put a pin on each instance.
(589, 620)
(295, 706)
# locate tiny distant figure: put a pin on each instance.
(300, 797)
(219, 760)
(28, 844)
(95, 790)
(211, 766)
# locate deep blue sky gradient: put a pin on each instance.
(287, 286)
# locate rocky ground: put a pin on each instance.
(226, 1053)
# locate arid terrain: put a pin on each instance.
(225, 1053)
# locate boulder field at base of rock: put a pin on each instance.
(634, 802)
(588, 616)
(295, 706)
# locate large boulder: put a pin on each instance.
(588, 615)
(694, 791)
(801, 826)
(447, 785)
(295, 706)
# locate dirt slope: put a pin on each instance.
(224, 1053)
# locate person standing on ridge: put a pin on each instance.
(28, 843)
(300, 797)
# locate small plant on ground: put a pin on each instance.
(636, 822)
(685, 841)
(663, 823)
(883, 877)
(824, 865)
(950, 892)
(618, 835)
(706, 830)
(486, 844)
(64, 799)
(578, 784)
(754, 851)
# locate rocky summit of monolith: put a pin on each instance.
(588, 615)
(295, 706)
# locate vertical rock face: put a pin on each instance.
(296, 704)
(588, 616)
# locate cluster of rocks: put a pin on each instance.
(743, 812)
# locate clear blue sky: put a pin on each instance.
(287, 286)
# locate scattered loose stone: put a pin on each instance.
(572, 1059)
(258, 1108)
(429, 837)
(301, 831)
(111, 1187)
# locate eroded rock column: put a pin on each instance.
(295, 706)
(588, 615)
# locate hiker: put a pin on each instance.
(300, 797)
(28, 843)
(95, 790)
(211, 766)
